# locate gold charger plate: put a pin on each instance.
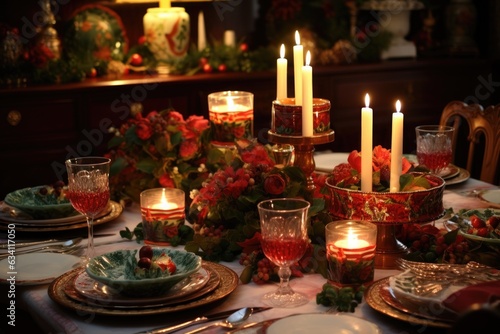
(463, 175)
(374, 298)
(228, 283)
(114, 212)
(103, 299)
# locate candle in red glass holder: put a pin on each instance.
(350, 251)
(163, 212)
(231, 117)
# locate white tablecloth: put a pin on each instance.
(55, 319)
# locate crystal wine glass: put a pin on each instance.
(283, 223)
(88, 190)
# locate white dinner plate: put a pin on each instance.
(322, 323)
(325, 162)
(491, 196)
(36, 268)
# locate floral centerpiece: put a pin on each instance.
(224, 214)
(419, 199)
(161, 149)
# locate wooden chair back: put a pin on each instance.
(481, 128)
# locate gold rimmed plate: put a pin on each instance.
(94, 293)
(228, 283)
(374, 298)
(114, 212)
(462, 176)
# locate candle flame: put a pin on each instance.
(230, 104)
(282, 51)
(164, 202)
(352, 239)
(297, 37)
(308, 58)
(367, 100)
(398, 106)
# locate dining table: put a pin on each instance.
(52, 317)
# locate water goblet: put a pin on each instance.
(88, 191)
(283, 223)
(434, 147)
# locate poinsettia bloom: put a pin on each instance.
(151, 115)
(188, 149)
(274, 184)
(381, 157)
(144, 130)
(166, 181)
(257, 156)
(235, 189)
(175, 117)
(194, 126)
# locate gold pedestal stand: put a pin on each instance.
(304, 150)
(389, 248)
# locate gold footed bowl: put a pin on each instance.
(388, 211)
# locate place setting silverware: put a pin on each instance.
(232, 319)
(22, 244)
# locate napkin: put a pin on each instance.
(481, 293)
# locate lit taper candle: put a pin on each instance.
(396, 147)
(366, 146)
(281, 75)
(298, 62)
(307, 98)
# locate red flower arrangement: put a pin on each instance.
(348, 175)
(158, 150)
(224, 211)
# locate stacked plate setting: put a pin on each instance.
(29, 215)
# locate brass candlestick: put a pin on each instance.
(304, 150)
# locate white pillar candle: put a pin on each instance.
(366, 146)
(229, 38)
(396, 147)
(298, 62)
(202, 37)
(307, 98)
(281, 75)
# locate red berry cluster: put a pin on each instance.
(458, 251)
(211, 231)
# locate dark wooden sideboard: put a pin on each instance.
(41, 126)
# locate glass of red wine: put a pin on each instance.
(283, 224)
(435, 147)
(88, 191)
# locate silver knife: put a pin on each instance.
(198, 320)
(4, 245)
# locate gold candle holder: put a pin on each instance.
(304, 150)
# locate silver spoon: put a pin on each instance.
(234, 320)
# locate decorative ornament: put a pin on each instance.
(47, 36)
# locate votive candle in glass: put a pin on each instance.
(350, 251)
(162, 212)
(231, 117)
